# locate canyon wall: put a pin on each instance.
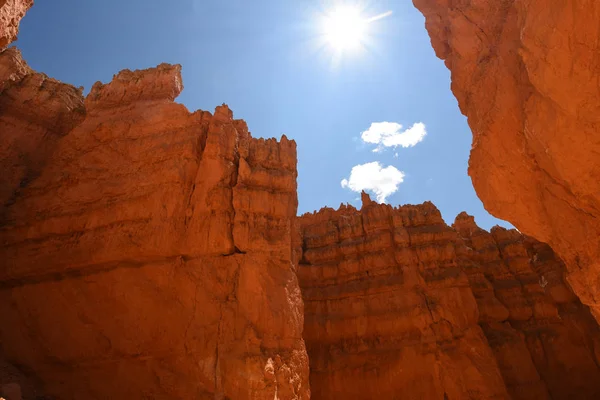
(151, 256)
(526, 74)
(397, 303)
(150, 252)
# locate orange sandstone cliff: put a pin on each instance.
(400, 305)
(526, 74)
(150, 257)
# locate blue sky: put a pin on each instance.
(266, 59)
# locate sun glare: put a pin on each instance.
(345, 28)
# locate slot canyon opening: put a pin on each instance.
(153, 251)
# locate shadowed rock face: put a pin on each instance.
(397, 302)
(151, 257)
(545, 341)
(14, 385)
(525, 73)
(11, 12)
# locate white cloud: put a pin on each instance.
(373, 177)
(390, 134)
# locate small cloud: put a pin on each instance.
(373, 177)
(390, 134)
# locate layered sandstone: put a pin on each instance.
(11, 13)
(388, 311)
(526, 74)
(546, 342)
(35, 112)
(398, 304)
(151, 257)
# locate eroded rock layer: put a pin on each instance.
(400, 305)
(11, 13)
(526, 74)
(151, 257)
(35, 112)
(546, 342)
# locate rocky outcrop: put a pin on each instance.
(388, 310)
(35, 112)
(11, 12)
(397, 302)
(151, 257)
(525, 73)
(546, 342)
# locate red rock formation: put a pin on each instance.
(35, 112)
(526, 75)
(150, 252)
(388, 312)
(546, 342)
(152, 256)
(398, 303)
(11, 12)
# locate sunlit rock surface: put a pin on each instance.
(397, 303)
(526, 74)
(151, 257)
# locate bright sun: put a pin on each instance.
(345, 28)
